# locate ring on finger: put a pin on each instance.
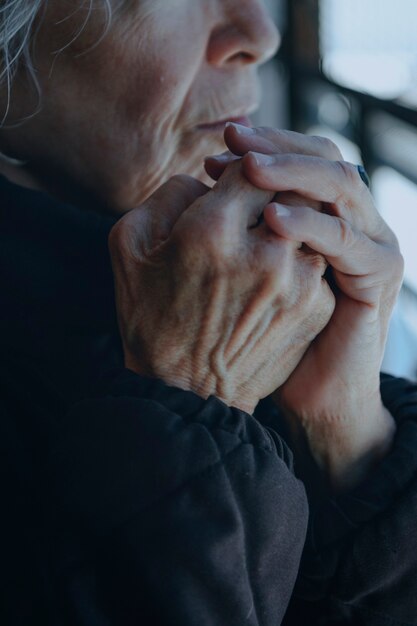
(364, 176)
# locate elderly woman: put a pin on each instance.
(148, 472)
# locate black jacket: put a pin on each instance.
(129, 502)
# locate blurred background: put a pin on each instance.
(347, 69)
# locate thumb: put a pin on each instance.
(141, 230)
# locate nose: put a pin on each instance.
(246, 35)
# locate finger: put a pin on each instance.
(347, 249)
(336, 183)
(216, 164)
(145, 227)
(240, 140)
(168, 203)
(234, 200)
(294, 199)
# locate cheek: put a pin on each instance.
(172, 155)
(194, 148)
(152, 66)
(162, 75)
(154, 114)
(160, 98)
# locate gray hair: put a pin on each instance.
(17, 20)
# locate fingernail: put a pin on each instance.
(240, 129)
(262, 160)
(281, 210)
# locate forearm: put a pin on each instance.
(362, 543)
(192, 507)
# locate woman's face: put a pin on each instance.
(120, 115)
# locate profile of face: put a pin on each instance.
(122, 112)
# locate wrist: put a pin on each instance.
(203, 384)
(349, 449)
(346, 447)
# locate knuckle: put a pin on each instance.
(327, 148)
(128, 239)
(349, 175)
(204, 238)
(181, 178)
(317, 262)
(278, 135)
(397, 265)
(188, 186)
(183, 181)
(347, 235)
(117, 236)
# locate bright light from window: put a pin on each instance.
(371, 45)
(349, 150)
(396, 198)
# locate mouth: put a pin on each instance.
(219, 126)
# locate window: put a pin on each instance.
(349, 68)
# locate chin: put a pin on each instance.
(191, 162)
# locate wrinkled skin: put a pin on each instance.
(340, 408)
(210, 301)
(121, 115)
(205, 300)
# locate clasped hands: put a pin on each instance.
(213, 299)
